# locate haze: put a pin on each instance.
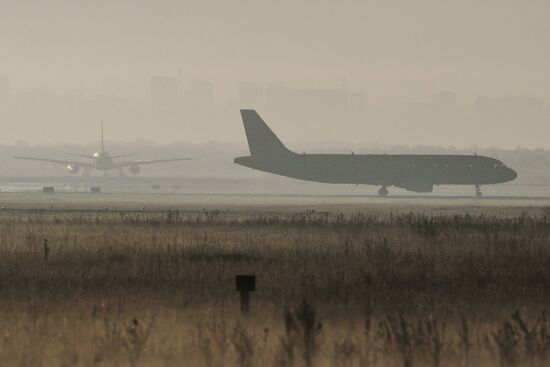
(429, 72)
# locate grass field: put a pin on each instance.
(381, 287)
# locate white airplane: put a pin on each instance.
(102, 161)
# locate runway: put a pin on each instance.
(260, 203)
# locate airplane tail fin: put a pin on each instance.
(261, 140)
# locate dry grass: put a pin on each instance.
(157, 289)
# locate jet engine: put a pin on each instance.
(134, 169)
(417, 186)
(73, 168)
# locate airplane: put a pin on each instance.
(102, 161)
(412, 172)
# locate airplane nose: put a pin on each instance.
(512, 174)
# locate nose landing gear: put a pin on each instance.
(383, 192)
(478, 191)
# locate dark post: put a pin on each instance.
(46, 250)
(245, 285)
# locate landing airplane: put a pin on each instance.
(412, 172)
(102, 161)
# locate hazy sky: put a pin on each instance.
(398, 49)
(390, 50)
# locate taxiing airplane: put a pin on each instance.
(102, 161)
(412, 172)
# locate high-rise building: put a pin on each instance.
(199, 101)
(313, 106)
(200, 96)
(164, 92)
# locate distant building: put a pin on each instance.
(531, 106)
(199, 101)
(200, 95)
(251, 95)
(320, 106)
(313, 106)
(444, 99)
(510, 107)
(4, 88)
(164, 92)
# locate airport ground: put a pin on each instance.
(342, 280)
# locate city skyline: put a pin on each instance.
(176, 105)
(229, 91)
(391, 72)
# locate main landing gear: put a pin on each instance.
(478, 191)
(383, 192)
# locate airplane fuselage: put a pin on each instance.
(102, 161)
(413, 172)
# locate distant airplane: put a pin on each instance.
(102, 161)
(412, 172)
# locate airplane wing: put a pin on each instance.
(139, 163)
(123, 156)
(55, 161)
(80, 155)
